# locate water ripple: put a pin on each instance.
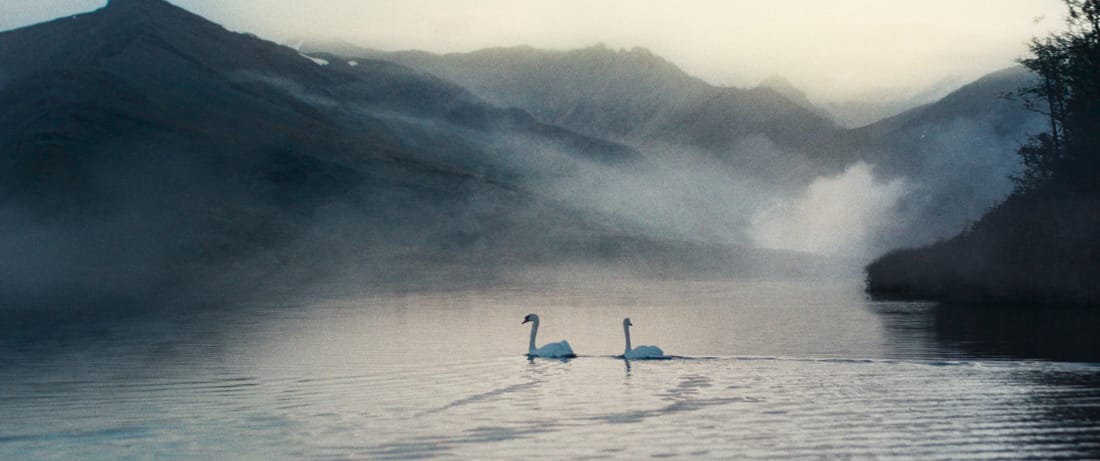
(376, 379)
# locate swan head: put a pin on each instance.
(530, 318)
(626, 322)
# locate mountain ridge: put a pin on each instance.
(644, 81)
(151, 154)
(640, 99)
(785, 88)
(954, 153)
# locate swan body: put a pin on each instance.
(645, 352)
(640, 352)
(558, 350)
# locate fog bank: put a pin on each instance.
(845, 215)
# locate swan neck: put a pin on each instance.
(626, 330)
(534, 331)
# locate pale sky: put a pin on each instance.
(834, 50)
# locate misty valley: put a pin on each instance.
(219, 246)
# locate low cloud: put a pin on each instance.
(844, 215)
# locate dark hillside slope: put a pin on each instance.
(1039, 249)
(144, 146)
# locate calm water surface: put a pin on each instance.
(764, 369)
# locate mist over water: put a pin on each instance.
(675, 193)
(844, 215)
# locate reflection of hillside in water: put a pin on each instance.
(1051, 333)
(991, 331)
(959, 332)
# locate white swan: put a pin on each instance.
(640, 352)
(559, 350)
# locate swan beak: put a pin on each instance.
(525, 321)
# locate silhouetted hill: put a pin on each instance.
(147, 151)
(145, 145)
(1037, 249)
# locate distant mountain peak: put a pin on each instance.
(778, 82)
(785, 88)
(159, 10)
(130, 4)
(126, 3)
(602, 47)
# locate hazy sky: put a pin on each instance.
(832, 49)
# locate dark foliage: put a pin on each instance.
(1068, 94)
(1038, 248)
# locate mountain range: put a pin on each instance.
(630, 96)
(955, 154)
(149, 154)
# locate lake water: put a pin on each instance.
(763, 369)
